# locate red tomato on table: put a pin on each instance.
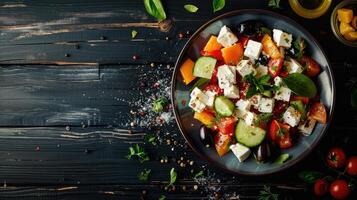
(336, 158)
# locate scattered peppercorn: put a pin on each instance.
(180, 35)
(67, 55)
(135, 57)
(102, 37)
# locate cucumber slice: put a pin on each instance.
(223, 106)
(204, 67)
(299, 106)
(249, 136)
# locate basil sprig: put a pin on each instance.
(218, 5)
(301, 85)
(155, 9)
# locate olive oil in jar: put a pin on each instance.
(310, 4)
(310, 8)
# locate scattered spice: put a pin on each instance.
(67, 55)
(102, 37)
(135, 57)
(133, 34)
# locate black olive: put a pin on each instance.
(263, 152)
(249, 28)
(206, 136)
(291, 52)
(263, 60)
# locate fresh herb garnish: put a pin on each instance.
(265, 30)
(162, 197)
(257, 85)
(191, 8)
(300, 84)
(198, 174)
(275, 4)
(218, 5)
(266, 194)
(155, 9)
(263, 118)
(310, 176)
(299, 45)
(158, 104)
(282, 158)
(173, 177)
(151, 138)
(144, 175)
(139, 152)
(133, 34)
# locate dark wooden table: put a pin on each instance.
(70, 91)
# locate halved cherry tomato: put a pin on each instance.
(214, 77)
(214, 88)
(226, 125)
(222, 143)
(284, 74)
(275, 66)
(217, 54)
(312, 67)
(305, 100)
(339, 189)
(243, 89)
(318, 112)
(279, 133)
(351, 166)
(336, 158)
(279, 107)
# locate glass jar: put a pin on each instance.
(310, 8)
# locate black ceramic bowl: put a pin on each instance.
(189, 127)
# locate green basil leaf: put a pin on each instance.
(282, 158)
(274, 4)
(173, 176)
(144, 175)
(218, 5)
(162, 197)
(190, 8)
(155, 9)
(310, 176)
(301, 85)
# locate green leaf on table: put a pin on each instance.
(301, 85)
(158, 104)
(191, 8)
(282, 158)
(266, 194)
(151, 138)
(162, 197)
(274, 4)
(139, 152)
(173, 177)
(133, 34)
(310, 176)
(218, 5)
(155, 9)
(354, 95)
(144, 175)
(198, 174)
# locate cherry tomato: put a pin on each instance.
(321, 187)
(243, 89)
(336, 158)
(279, 133)
(222, 143)
(285, 141)
(214, 88)
(244, 40)
(312, 68)
(217, 54)
(339, 189)
(227, 125)
(351, 166)
(305, 100)
(279, 107)
(275, 66)
(318, 112)
(284, 74)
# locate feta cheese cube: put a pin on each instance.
(278, 81)
(196, 105)
(249, 118)
(261, 71)
(253, 49)
(293, 66)
(226, 38)
(307, 127)
(255, 100)
(291, 116)
(282, 39)
(243, 106)
(240, 151)
(244, 68)
(266, 105)
(231, 92)
(226, 76)
(210, 98)
(283, 93)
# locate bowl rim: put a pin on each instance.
(176, 70)
(334, 23)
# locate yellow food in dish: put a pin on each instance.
(345, 15)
